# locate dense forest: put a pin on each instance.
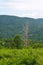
(12, 25)
(21, 41)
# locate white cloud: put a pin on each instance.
(32, 8)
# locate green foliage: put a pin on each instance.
(21, 56)
(12, 51)
(12, 25)
(12, 54)
(18, 41)
(36, 44)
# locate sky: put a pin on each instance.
(22, 8)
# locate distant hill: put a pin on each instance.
(11, 25)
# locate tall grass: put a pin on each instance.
(21, 56)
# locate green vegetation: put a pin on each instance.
(21, 56)
(13, 52)
(12, 25)
(15, 42)
(26, 49)
(18, 41)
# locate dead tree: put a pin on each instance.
(25, 33)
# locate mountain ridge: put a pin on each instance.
(11, 25)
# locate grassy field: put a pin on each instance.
(25, 56)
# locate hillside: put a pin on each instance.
(11, 25)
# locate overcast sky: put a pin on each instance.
(22, 8)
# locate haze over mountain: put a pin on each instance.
(11, 25)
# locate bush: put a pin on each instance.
(21, 56)
(18, 41)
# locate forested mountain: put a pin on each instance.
(11, 25)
